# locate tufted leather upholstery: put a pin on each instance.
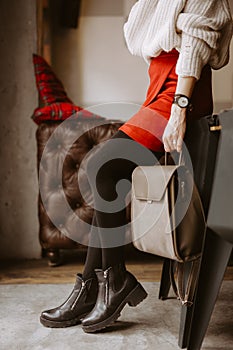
(51, 237)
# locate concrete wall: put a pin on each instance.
(18, 179)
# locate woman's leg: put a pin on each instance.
(109, 172)
(94, 254)
(114, 162)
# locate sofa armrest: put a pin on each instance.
(52, 236)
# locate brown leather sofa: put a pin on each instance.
(51, 238)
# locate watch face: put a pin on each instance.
(183, 101)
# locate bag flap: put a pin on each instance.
(150, 182)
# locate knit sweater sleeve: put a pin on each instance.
(202, 26)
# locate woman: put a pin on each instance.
(181, 40)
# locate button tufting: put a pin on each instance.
(71, 168)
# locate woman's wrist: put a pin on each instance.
(185, 86)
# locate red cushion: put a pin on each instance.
(50, 88)
(56, 104)
(56, 111)
(60, 111)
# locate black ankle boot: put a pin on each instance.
(79, 303)
(117, 287)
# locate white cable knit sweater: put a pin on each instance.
(200, 30)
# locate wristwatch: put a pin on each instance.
(182, 101)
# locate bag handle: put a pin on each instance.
(181, 158)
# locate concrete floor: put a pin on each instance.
(151, 325)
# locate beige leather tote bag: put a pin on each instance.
(166, 211)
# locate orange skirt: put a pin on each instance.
(148, 124)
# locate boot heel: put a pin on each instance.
(137, 295)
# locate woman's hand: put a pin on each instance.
(174, 132)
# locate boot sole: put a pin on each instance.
(61, 324)
(136, 296)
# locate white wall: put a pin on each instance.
(18, 175)
(93, 60)
(109, 72)
(223, 82)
